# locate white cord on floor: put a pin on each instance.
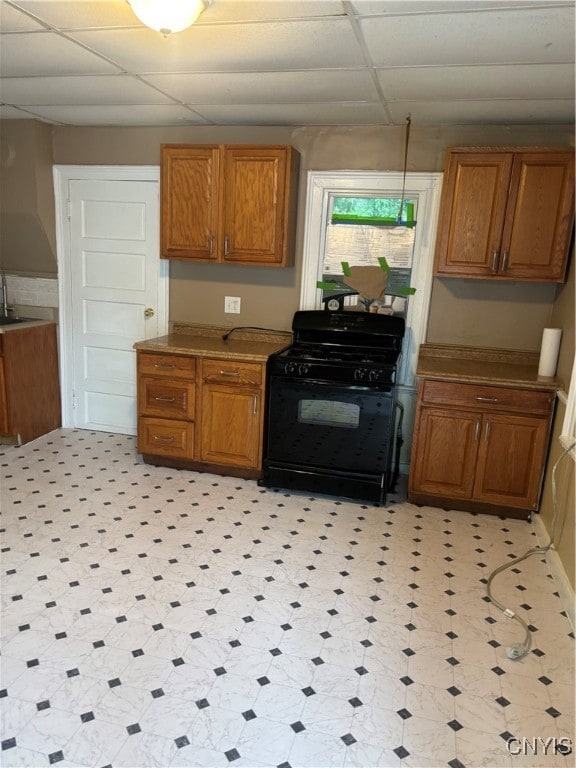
(519, 650)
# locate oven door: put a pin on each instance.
(329, 426)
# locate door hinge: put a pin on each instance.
(69, 208)
(73, 400)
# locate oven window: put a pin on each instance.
(330, 413)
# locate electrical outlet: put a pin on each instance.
(232, 305)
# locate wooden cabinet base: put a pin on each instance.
(469, 505)
(200, 466)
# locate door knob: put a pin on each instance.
(149, 312)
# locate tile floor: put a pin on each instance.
(154, 617)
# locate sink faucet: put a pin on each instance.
(4, 294)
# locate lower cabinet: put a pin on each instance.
(201, 413)
(479, 448)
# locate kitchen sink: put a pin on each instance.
(13, 320)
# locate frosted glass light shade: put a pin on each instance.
(168, 16)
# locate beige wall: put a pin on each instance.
(563, 314)
(516, 312)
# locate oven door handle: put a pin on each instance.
(380, 388)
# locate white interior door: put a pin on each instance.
(114, 288)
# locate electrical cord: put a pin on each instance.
(229, 333)
(519, 650)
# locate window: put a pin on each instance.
(352, 218)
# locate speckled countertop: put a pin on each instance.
(479, 365)
(25, 323)
(250, 345)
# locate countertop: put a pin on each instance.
(481, 365)
(26, 323)
(206, 341)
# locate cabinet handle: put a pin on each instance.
(486, 431)
(477, 430)
(162, 439)
(487, 399)
(504, 267)
(211, 243)
(160, 399)
(255, 405)
(494, 261)
(230, 373)
(226, 245)
(164, 366)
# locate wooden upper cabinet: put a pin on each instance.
(506, 214)
(229, 203)
(189, 202)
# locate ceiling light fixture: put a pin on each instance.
(167, 16)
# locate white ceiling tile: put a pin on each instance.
(528, 81)
(503, 37)
(82, 14)
(501, 112)
(256, 10)
(355, 113)
(224, 48)
(95, 89)
(12, 20)
(262, 87)
(402, 7)
(113, 115)
(46, 53)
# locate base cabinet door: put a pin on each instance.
(444, 452)
(510, 458)
(231, 426)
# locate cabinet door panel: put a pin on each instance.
(189, 202)
(472, 214)
(444, 452)
(253, 212)
(510, 459)
(231, 421)
(539, 216)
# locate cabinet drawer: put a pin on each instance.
(231, 372)
(173, 366)
(165, 437)
(163, 397)
(486, 397)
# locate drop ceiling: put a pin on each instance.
(291, 63)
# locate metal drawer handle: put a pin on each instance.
(164, 366)
(160, 399)
(488, 399)
(230, 373)
(161, 439)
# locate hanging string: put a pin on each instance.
(406, 142)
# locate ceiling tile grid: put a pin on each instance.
(291, 62)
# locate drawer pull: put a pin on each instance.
(162, 439)
(230, 373)
(487, 399)
(161, 399)
(164, 366)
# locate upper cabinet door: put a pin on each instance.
(506, 214)
(472, 214)
(189, 202)
(539, 218)
(255, 204)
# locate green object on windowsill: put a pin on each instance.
(384, 221)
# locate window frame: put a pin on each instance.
(427, 187)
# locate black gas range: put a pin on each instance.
(331, 405)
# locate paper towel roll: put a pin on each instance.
(549, 351)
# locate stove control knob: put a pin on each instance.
(373, 376)
(303, 369)
(289, 369)
(359, 374)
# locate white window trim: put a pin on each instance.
(568, 434)
(427, 187)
